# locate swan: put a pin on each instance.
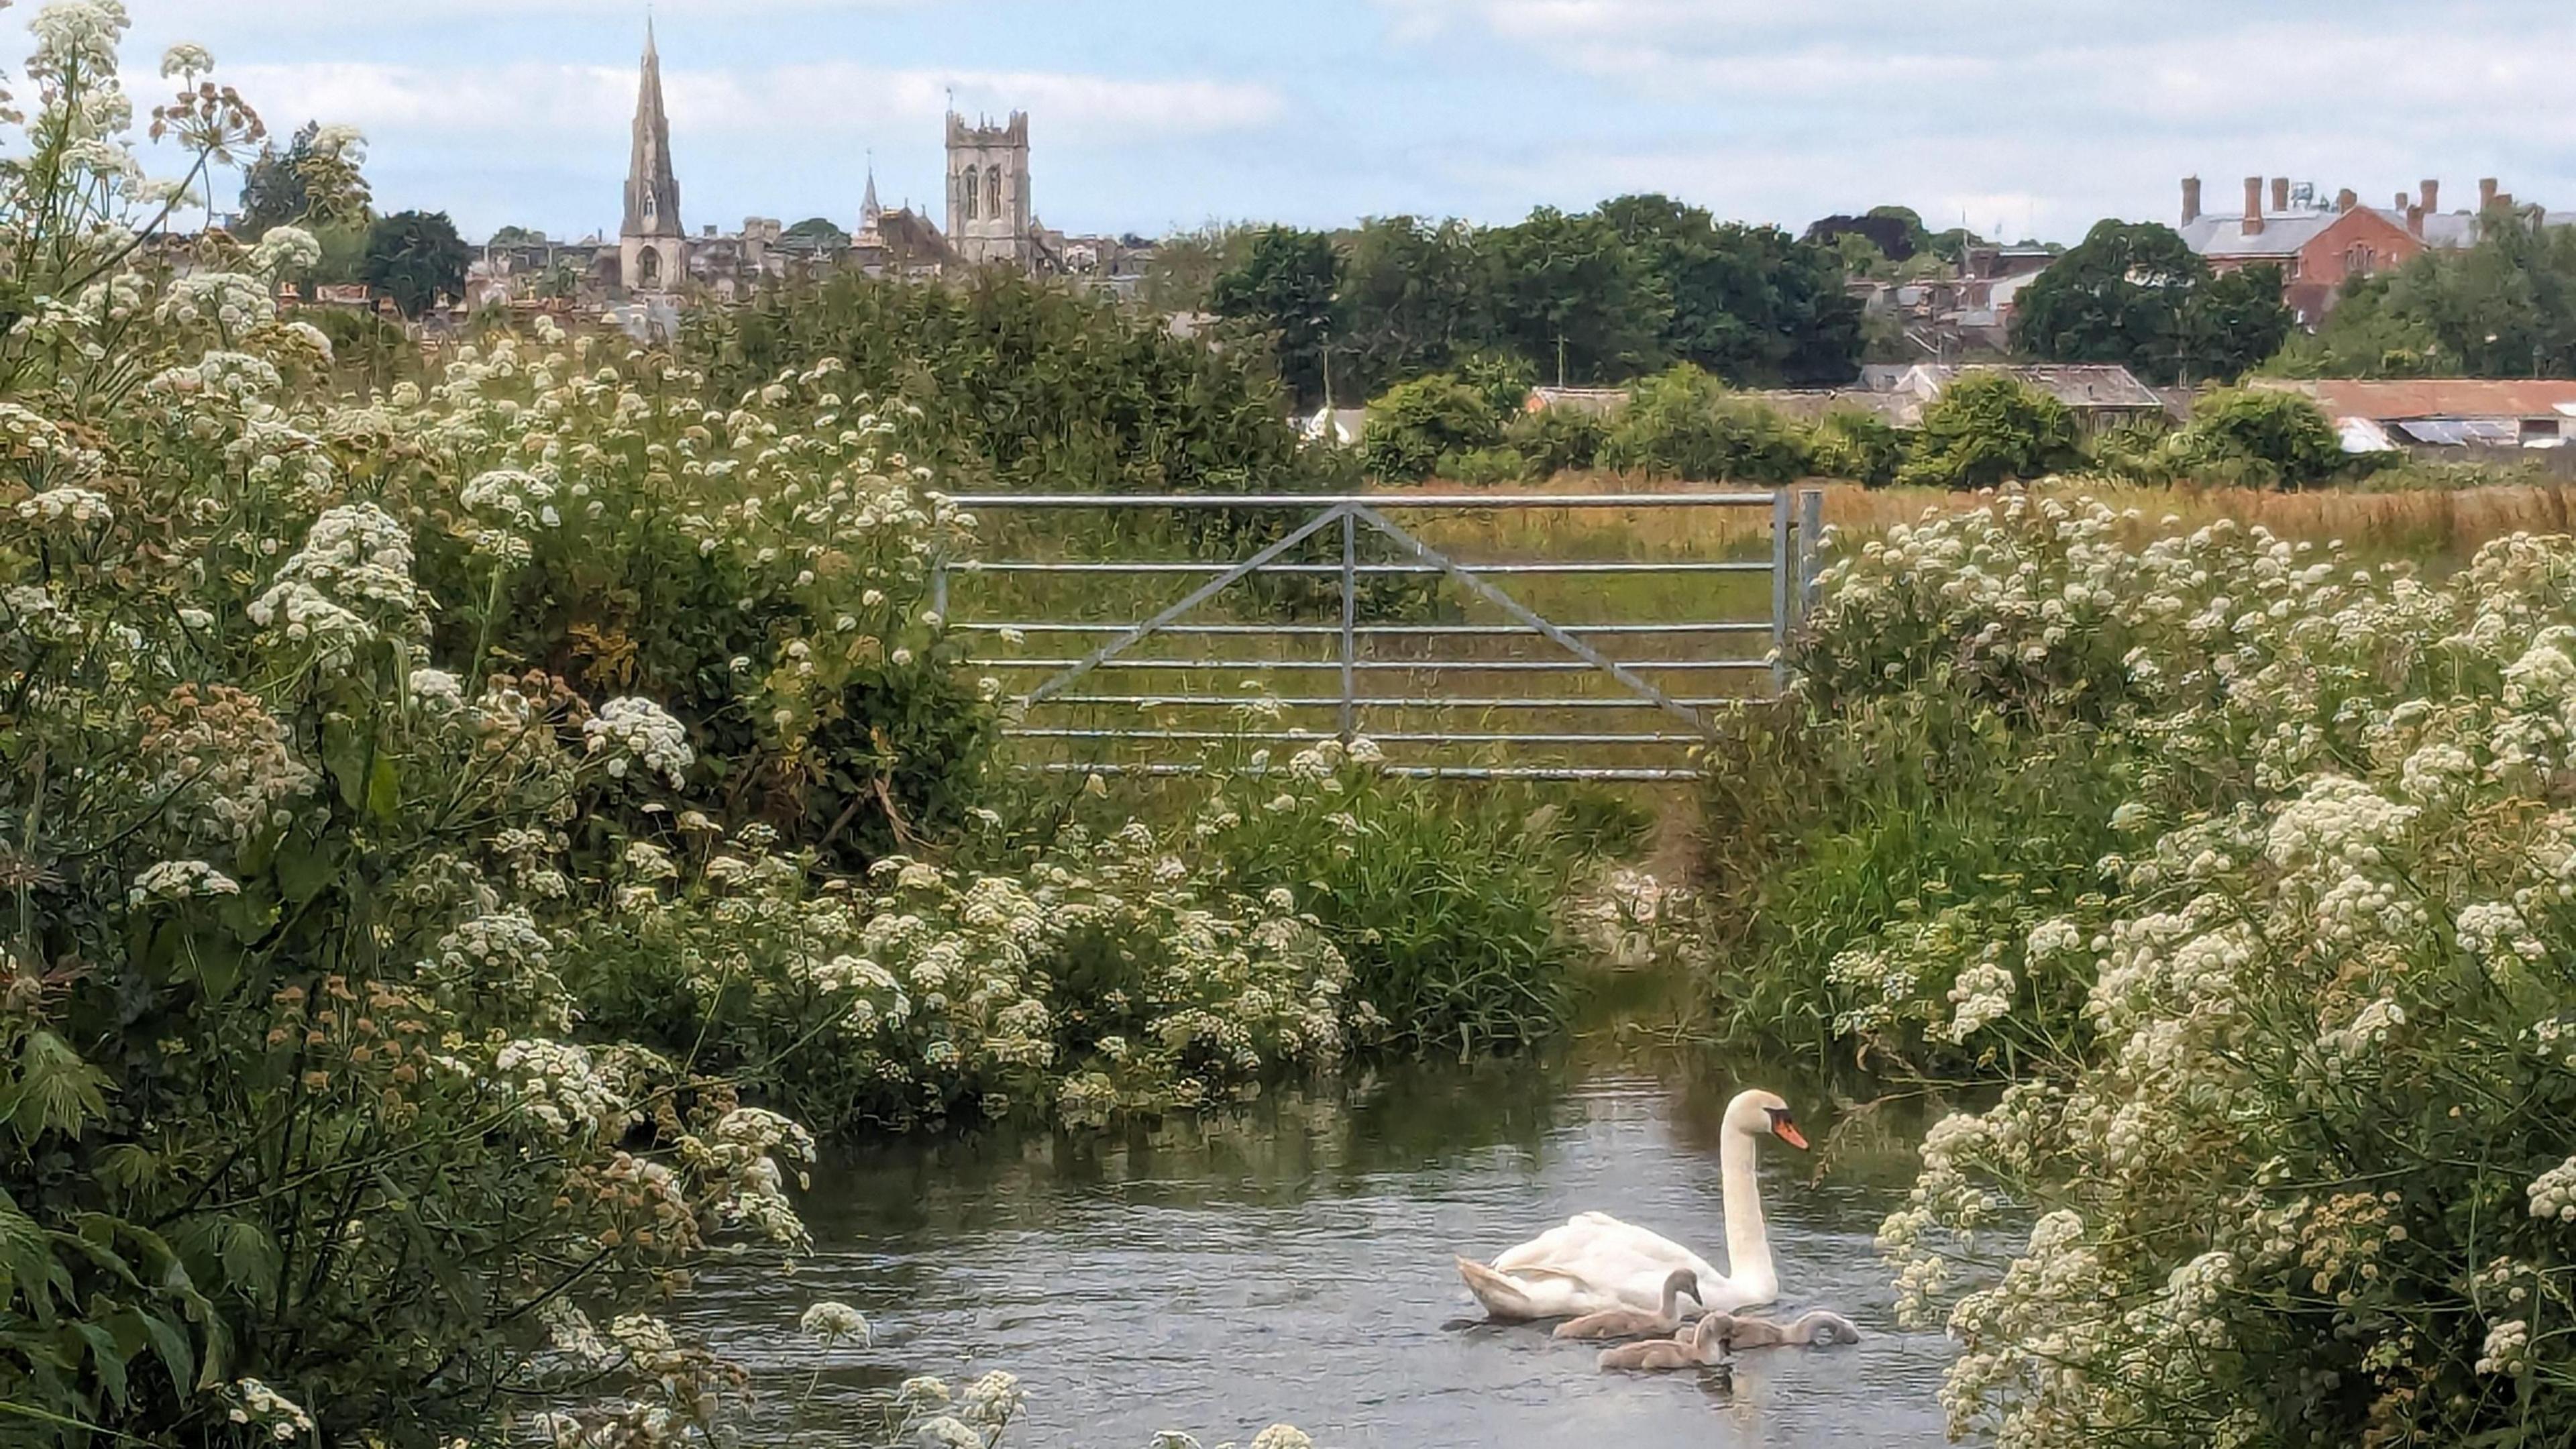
(1596, 1263)
(1819, 1327)
(1698, 1346)
(1634, 1323)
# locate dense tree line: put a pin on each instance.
(2505, 307)
(1626, 289)
(2136, 294)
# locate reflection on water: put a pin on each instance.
(1293, 1263)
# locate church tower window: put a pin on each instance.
(993, 190)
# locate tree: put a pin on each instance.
(2119, 297)
(821, 230)
(1417, 423)
(517, 236)
(1893, 232)
(2233, 321)
(1683, 424)
(2136, 294)
(413, 257)
(315, 182)
(1410, 301)
(2283, 438)
(1182, 274)
(1284, 287)
(1747, 303)
(1570, 290)
(1988, 428)
(2371, 331)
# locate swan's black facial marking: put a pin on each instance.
(1785, 1127)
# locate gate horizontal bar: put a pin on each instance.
(1379, 631)
(1166, 566)
(1374, 500)
(1310, 737)
(1413, 772)
(1166, 701)
(1384, 666)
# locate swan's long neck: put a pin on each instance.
(1748, 1243)
(1672, 1301)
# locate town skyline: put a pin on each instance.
(1149, 121)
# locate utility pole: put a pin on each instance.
(1560, 362)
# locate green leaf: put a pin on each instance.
(249, 1256)
(384, 790)
(55, 1091)
(171, 1345)
(305, 866)
(103, 1352)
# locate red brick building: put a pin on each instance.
(2318, 247)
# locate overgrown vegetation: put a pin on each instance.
(442, 826)
(2240, 864)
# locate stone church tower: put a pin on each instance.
(652, 246)
(988, 192)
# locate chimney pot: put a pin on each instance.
(2253, 206)
(2432, 197)
(2347, 199)
(2404, 201)
(2190, 200)
(2505, 200)
(2486, 192)
(2280, 194)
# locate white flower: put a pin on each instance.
(65, 503)
(437, 692)
(186, 59)
(640, 730)
(174, 880)
(834, 1323)
(2553, 1193)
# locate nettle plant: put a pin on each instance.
(2297, 1148)
(295, 1137)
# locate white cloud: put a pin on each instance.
(821, 99)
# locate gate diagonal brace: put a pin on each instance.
(1522, 613)
(1198, 596)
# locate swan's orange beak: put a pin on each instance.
(1788, 1132)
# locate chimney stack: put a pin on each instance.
(2404, 201)
(2347, 199)
(2432, 197)
(2253, 206)
(2190, 200)
(2280, 194)
(2505, 200)
(2415, 220)
(2486, 193)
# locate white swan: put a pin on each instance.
(1596, 1263)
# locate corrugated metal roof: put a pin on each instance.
(2437, 397)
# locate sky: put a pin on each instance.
(2019, 117)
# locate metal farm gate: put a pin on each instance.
(1446, 664)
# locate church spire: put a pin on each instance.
(652, 192)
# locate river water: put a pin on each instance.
(1292, 1262)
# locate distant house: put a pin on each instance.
(1340, 427)
(1600, 402)
(2440, 415)
(2318, 247)
(2101, 395)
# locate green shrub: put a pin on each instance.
(1988, 428)
(1558, 439)
(1446, 904)
(1863, 447)
(1416, 423)
(1484, 467)
(1683, 424)
(2277, 437)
